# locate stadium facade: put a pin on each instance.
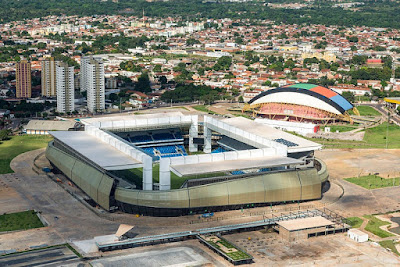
(139, 164)
(308, 103)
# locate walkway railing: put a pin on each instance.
(178, 236)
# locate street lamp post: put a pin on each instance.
(387, 129)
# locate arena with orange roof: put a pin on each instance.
(301, 103)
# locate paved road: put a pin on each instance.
(69, 219)
(381, 109)
(45, 257)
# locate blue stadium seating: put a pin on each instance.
(237, 172)
(149, 150)
(171, 155)
(166, 149)
(181, 147)
(264, 170)
(218, 150)
(171, 151)
(157, 150)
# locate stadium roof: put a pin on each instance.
(232, 165)
(307, 95)
(143, 121)
(293, 142)
(46, 125)
(129, 117)
(97, 151)
(394, 100)
(305, 223)
(233, 144)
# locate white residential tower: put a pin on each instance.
(65, 88)
(92, 81)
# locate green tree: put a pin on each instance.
(41, 45)
(163, 80)
(223, 63)
(157, 68)
(267, 83)
(192, 41)
(130, 66)
(143, 83)
(359, 60)
(239, 40)
(113, 97)
(352, 39)
(5, 134)
(349, 96)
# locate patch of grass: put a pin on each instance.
(390, 245)
(19, 221)
(74, 250)
(9, 149)
(180, 107)
(377, 135)
(366, 111)
(373, 138)
(226, 243)
(354, 222)
(244, 115)
(203, 108)
(135, 176)
(373, 181)
(373, 226)
(363, 98)
(237, 255)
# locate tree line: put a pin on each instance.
(191, 92)
(373, 13)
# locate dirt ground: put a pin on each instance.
(358, 201)
(345, 163)
(334, 250)
(268, 249)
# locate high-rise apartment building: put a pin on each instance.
(49, 77)
(23, 76)
(65, 88)
(92, 81)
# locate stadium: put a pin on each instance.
(171, 164)
(302, 103)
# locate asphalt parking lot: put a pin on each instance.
(44, 257)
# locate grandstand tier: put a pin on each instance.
(157, 143)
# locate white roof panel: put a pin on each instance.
(305, 223)
(271, 133)
(131, 117)
(95, 150)
(232, 165)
